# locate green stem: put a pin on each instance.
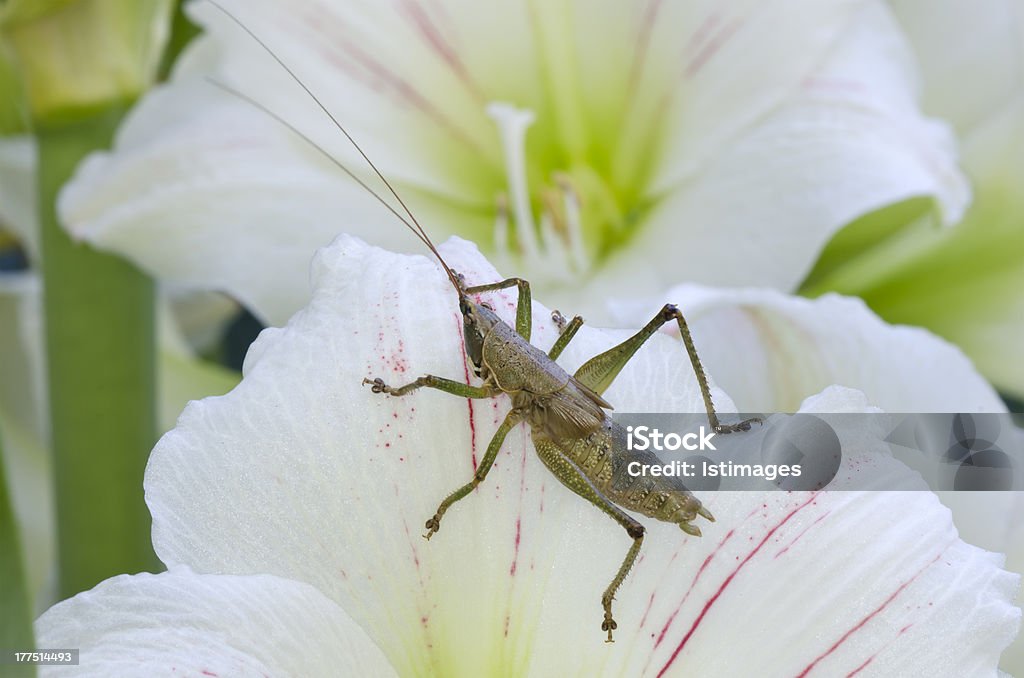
(101, 363)
(15, 618)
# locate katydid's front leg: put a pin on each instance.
(430, 381)
(524, 304)
(511, 419)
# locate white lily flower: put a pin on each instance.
(721, 142)
(963, 283)
(302, 488)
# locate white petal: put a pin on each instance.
(181, 623)
(771, 350)
(17, 189)
(230, 488)
(961, 283)
(969, 54)
(849, 141)
(787, 583)
(208, 191)
(302, 472)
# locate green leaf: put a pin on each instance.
(15, 617)
(100, 342)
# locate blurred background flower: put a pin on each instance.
(963, 283)
(723, 156)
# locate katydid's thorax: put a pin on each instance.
(514, 364)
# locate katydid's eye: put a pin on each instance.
(465, 307)
(487, 306)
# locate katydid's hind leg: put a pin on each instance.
(566, 331)
(524, 304)
(434, 523)
(570, 475)
(430, 381)
(599, 372)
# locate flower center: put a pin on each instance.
(561, 242)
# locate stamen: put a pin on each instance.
(512, 124)
(573, 222)
(553, 257)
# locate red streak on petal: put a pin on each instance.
(728, 580)
(442, 46)
(861, 667)
(859, 625)
(469, 401)
(515, 556)
(802, 533)
(703, 566)
(704, 31)
(643, 43)
(709, 50)
(650, 601)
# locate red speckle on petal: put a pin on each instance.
(515, 555)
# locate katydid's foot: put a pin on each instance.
(377, 385)
(559, 320)
(432, 525)
(609, 625)
(741, 426)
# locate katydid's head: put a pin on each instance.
(478, 317)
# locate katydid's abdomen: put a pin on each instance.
(603, 459)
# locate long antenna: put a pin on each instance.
(318, 147)
(419, 230)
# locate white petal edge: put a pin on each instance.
(301, 472)
(182, 623)
(770, 350)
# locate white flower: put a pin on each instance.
(723, 143)
(302, 490)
